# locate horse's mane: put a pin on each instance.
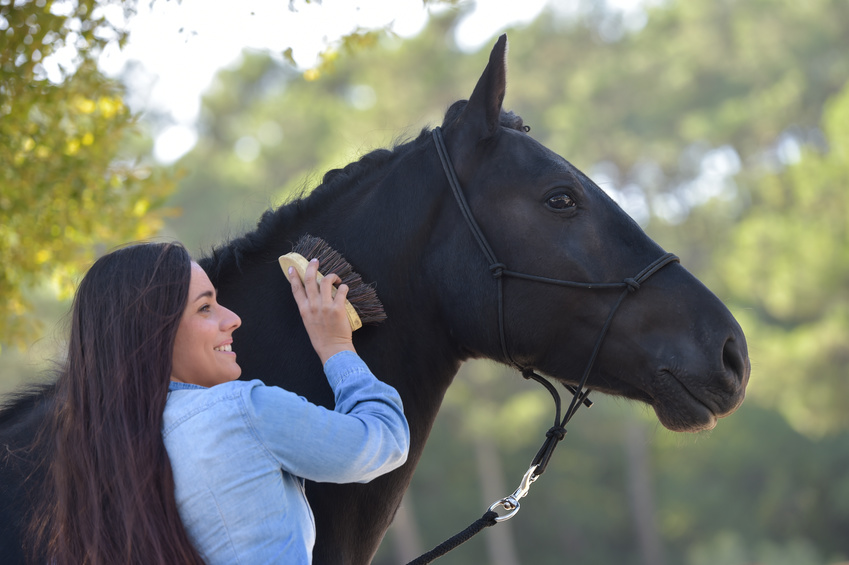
(333, 183)
(261, 240)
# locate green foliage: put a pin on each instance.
(351, 43)
(758, 480)
(787, 269)
(730, 548)
(66, 190)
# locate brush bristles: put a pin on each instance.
(362, 296)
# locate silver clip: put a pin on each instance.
(511, 503)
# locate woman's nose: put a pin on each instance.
(230, 320)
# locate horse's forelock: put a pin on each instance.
(508, 119)
(513, 121)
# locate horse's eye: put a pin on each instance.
(560, 202)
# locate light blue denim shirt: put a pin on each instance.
(240, 451)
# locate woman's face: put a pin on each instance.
(202, 349)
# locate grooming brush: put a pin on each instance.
(362, 305)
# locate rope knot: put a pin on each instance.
(633, 285)
(497, 270)
(557, 432)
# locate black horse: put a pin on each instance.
(392, 215)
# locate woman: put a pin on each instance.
(213, 470)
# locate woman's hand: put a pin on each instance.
(323, 314)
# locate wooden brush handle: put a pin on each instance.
(299, 262)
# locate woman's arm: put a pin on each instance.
(366, 435)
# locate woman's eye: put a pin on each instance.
(204, 308)
(560, 202)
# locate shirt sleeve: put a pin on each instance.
(365, 436)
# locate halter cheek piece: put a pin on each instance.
(579, 396)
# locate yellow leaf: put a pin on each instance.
(141, 207)
(85, 105)
(88, 139)
(109, 106)
(72, 146)
(311, 74)
(43, 256)
(16, 306)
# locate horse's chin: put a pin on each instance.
(679, 410)
(698, 419)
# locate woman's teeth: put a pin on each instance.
(227, 347)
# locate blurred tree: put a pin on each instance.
(66, 190)
(756, 488)
(787, 272)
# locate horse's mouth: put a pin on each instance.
(680, 409)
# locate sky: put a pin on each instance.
(178, 47)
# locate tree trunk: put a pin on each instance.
(499, 539)
(641, 493)
(407, 542)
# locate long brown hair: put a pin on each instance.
(110, 490)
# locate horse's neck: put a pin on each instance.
(351, 520)
(412, 350)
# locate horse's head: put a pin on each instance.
(672, 343)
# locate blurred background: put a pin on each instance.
(721, 126)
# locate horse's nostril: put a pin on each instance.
(734, 360)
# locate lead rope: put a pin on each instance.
(557, 432)
(511, 502)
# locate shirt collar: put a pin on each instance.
(175, 385)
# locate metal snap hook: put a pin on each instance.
(511, 503)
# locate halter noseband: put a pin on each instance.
(499, 271)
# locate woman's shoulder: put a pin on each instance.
(188, 402)
(244, 393)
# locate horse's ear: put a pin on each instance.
(481, 117)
